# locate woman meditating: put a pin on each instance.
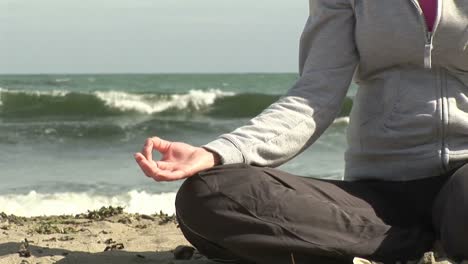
(406, 182)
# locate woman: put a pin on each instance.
(407, 137)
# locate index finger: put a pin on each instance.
(147, 150)
(160, 144)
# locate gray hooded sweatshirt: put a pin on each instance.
(410, 114)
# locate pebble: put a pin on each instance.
(183, 252)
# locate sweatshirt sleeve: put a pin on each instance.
(327, 60)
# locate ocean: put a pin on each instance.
(67, 141)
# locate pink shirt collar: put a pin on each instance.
(429, 8)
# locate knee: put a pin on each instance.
(455, 193)
(190, 198)
(459, 180)
(201, 212)
(203, 195)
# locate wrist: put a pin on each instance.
(214, 157)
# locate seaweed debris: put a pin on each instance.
(18, 220)
(24, 249)
(102, 214)
(47, 228)
(165, 218)
(112, 245)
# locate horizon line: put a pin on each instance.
(144, 73)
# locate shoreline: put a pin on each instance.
(107, 235)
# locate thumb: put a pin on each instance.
(161, 145)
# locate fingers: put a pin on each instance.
(143, 163)
(147, 150)
(163, 165)
(160, 145)
(160, 170)
(149, 168)
(164, 173)
(154, 143)
(170, 175)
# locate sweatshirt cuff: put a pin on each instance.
(227, 151)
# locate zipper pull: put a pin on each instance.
(428, 51)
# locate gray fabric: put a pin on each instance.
(407, 122)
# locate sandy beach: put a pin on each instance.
(107, 235)
(103, 236)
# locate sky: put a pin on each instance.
(150, 36)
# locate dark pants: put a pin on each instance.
(243, 214)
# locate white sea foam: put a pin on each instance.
(37, 204)
(150, 104)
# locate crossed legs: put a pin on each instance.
(243, 214)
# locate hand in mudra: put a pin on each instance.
(179, 160)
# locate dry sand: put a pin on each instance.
(84, 239)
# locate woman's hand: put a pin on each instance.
(179, 160)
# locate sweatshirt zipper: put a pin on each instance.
(428, 35)
(445, 118)
(428, 46)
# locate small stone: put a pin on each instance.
(428, 258)
(183, 252)
(357, 260)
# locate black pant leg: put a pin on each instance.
(266, 215)
(450, 215)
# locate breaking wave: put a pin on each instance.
(213, 102)
(102, 103)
